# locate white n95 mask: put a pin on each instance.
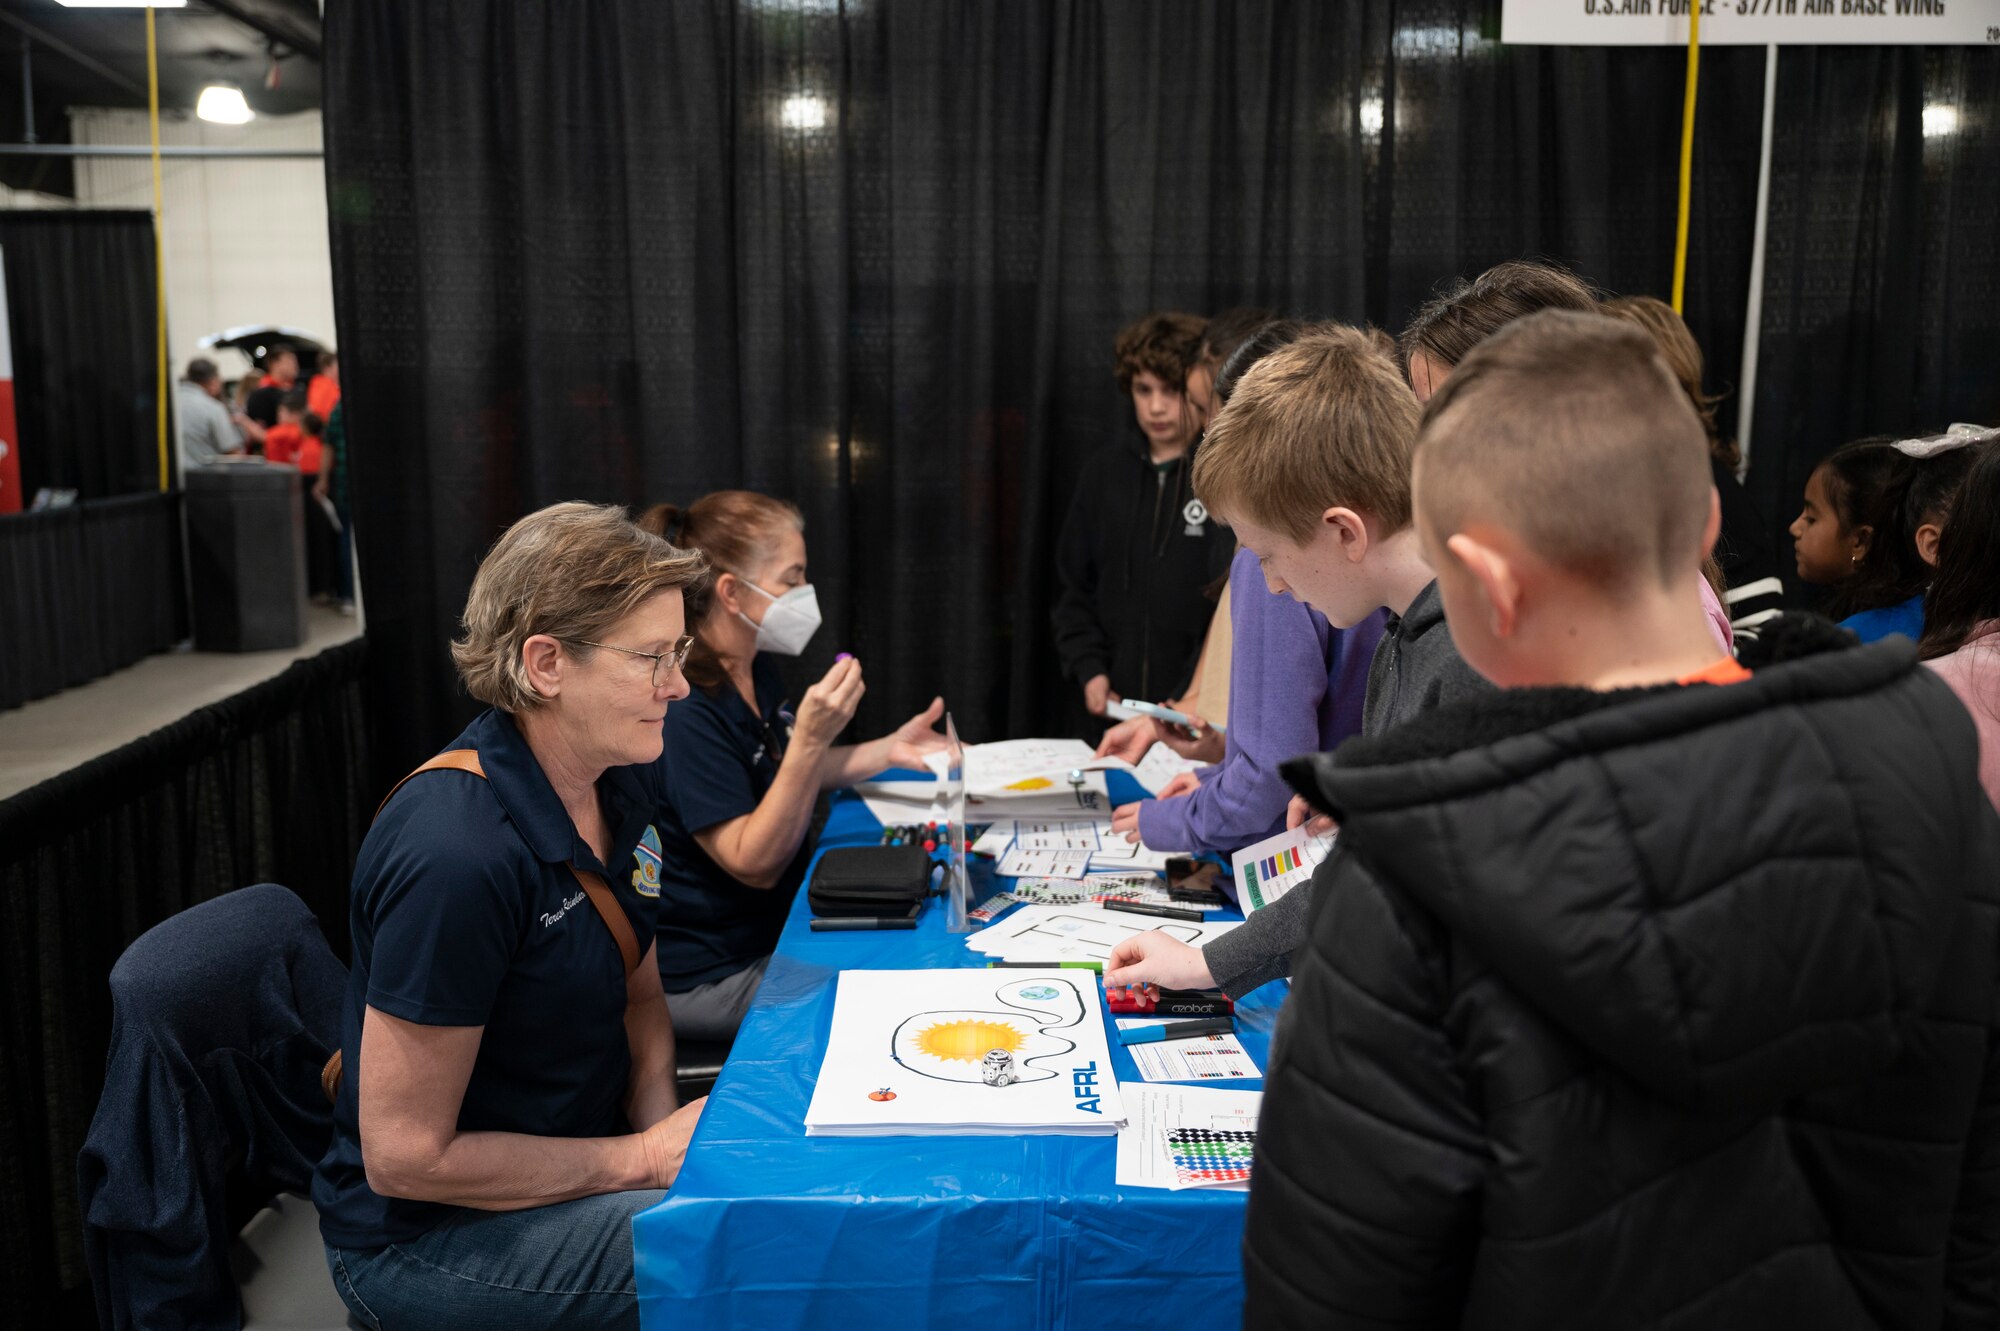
(790, 622)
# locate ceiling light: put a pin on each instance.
(802, 113)
(123, 4)
(1940, 118)
(223, 104)
(1371, 115)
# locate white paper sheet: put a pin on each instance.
(1142, 889)
(1153, 1111)
(1091, 834)
(1276, 865)
(965, 1052)
(1205, 1058)
(1161, 765)
(1018, 766)
(897, 803)
(1060, 800)
(1020, 862)
(1061, 834)
(1078, 933)
(1118, 854)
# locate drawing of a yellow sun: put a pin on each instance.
(967, 1041)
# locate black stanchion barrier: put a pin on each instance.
(87, 590)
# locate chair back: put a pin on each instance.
(222, 1018)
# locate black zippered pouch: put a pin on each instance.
(869, 880)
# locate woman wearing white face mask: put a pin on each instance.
(741, 769)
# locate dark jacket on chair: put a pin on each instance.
(1670, 1007)
(222, 1018)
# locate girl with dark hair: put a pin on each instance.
(1962, 607)
(1851, 536)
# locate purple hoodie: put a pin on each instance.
(1295, 686)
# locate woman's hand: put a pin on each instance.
(1125, 821)
(907, 744)
(666, 1143)
(1182, 784)
(1154, 958)
(1130, 740)
(1200, 742)
(1097, 692)
(828, 707)
(1301, 814)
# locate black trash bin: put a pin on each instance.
(246, 556)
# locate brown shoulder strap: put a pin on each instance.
(606, 904)
(456, 760)
(599, 892)
(613, 916)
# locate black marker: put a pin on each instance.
(1162, 912)
(1174, 1030)
(845, 923)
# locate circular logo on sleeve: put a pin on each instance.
(646, 862)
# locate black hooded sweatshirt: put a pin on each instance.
(1663, 1008)
(1136, 555)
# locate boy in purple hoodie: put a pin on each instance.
(1296, 686)
(1310, 463)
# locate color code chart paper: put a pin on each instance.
(1206, 1058)
(1205, 1157)
(1276, 865)
(1148, 1155)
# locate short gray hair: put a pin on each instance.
(570, 571)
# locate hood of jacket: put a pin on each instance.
(1732, 894)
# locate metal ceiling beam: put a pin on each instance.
(305, 43)
(143, 150)
(63, 48)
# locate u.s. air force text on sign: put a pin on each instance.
(1752, 22)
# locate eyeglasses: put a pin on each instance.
(664, 663)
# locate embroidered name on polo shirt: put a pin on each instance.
(551, 917)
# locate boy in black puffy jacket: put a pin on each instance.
(1653, 992)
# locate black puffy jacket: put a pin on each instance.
(1658, 1008)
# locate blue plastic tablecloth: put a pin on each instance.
(769, 1228)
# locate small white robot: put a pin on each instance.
(998, 1068)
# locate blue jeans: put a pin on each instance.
(568, 1265)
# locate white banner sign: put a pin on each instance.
(1752, 22)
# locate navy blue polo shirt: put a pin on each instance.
(465, 913)
(718, 763)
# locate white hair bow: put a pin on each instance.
(1958, 436)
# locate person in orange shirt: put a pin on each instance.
(295, 439)
(288, 440)
(323, 392)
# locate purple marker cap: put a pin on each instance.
(844, 656)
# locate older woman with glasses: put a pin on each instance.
(742, 771)
(506, 1096)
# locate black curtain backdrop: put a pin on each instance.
(871, 258)
(80, 299)
(87, 590)
(266, 786)
(1882, 282)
